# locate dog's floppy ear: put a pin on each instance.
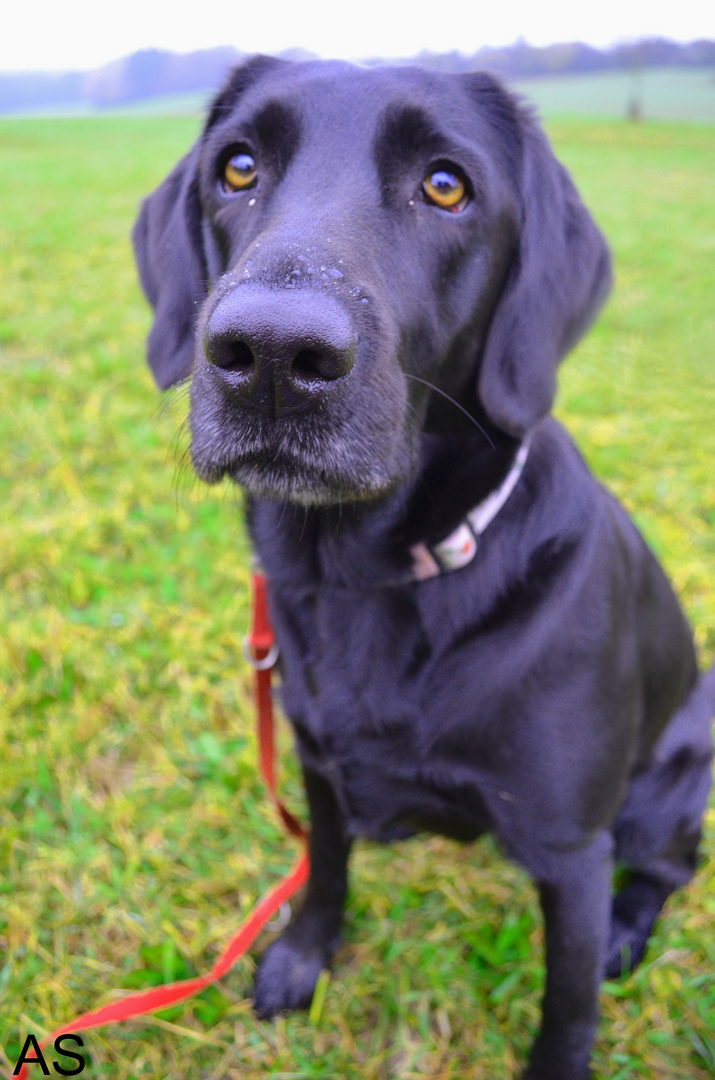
(172, 267)
(558, 279)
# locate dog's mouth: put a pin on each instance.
(315, 480)
(351, 452)
(308, 485)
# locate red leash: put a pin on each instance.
(261, 651)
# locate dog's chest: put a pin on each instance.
(358, 685)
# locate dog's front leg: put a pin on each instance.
(290, 967)
(576, 901)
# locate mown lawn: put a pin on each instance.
(134, 830)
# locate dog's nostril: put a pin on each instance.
(230, 355)
(311, 365)
(241, 356)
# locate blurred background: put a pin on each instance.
(134, 833)
(612, 58)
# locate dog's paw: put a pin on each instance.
(626, 948)
(533, 1073)
(564, 1054)
(633, 916)
(286, 978)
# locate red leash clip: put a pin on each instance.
(261, 652)
(259, 646)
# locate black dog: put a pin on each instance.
(370, 277)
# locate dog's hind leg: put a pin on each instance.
(290, 967)
(657, 830)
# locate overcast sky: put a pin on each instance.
(81, 34)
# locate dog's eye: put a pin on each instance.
(239, 172)
(446, 189)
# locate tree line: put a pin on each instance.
(156, 72)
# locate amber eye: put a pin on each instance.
(239, 172)
(445, 189)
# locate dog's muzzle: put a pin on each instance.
(280, 351)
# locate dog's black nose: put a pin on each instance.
(280, 350)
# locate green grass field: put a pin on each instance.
(135, 833)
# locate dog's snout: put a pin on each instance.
(280, 350)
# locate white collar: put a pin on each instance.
(460, 547)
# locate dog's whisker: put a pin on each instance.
(340, 514)
(171, 397)
(184, 478)
(305, 524)
(456, 404)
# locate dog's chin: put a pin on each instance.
(322, 459)
(308, 491)
(282, 477)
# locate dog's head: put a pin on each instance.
(341, 240)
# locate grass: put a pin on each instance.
(135, 833)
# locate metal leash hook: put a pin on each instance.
(258, 664)
(260, 647)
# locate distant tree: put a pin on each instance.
(150, 72)
(143, 73)
(635, 55)
(33, 90)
